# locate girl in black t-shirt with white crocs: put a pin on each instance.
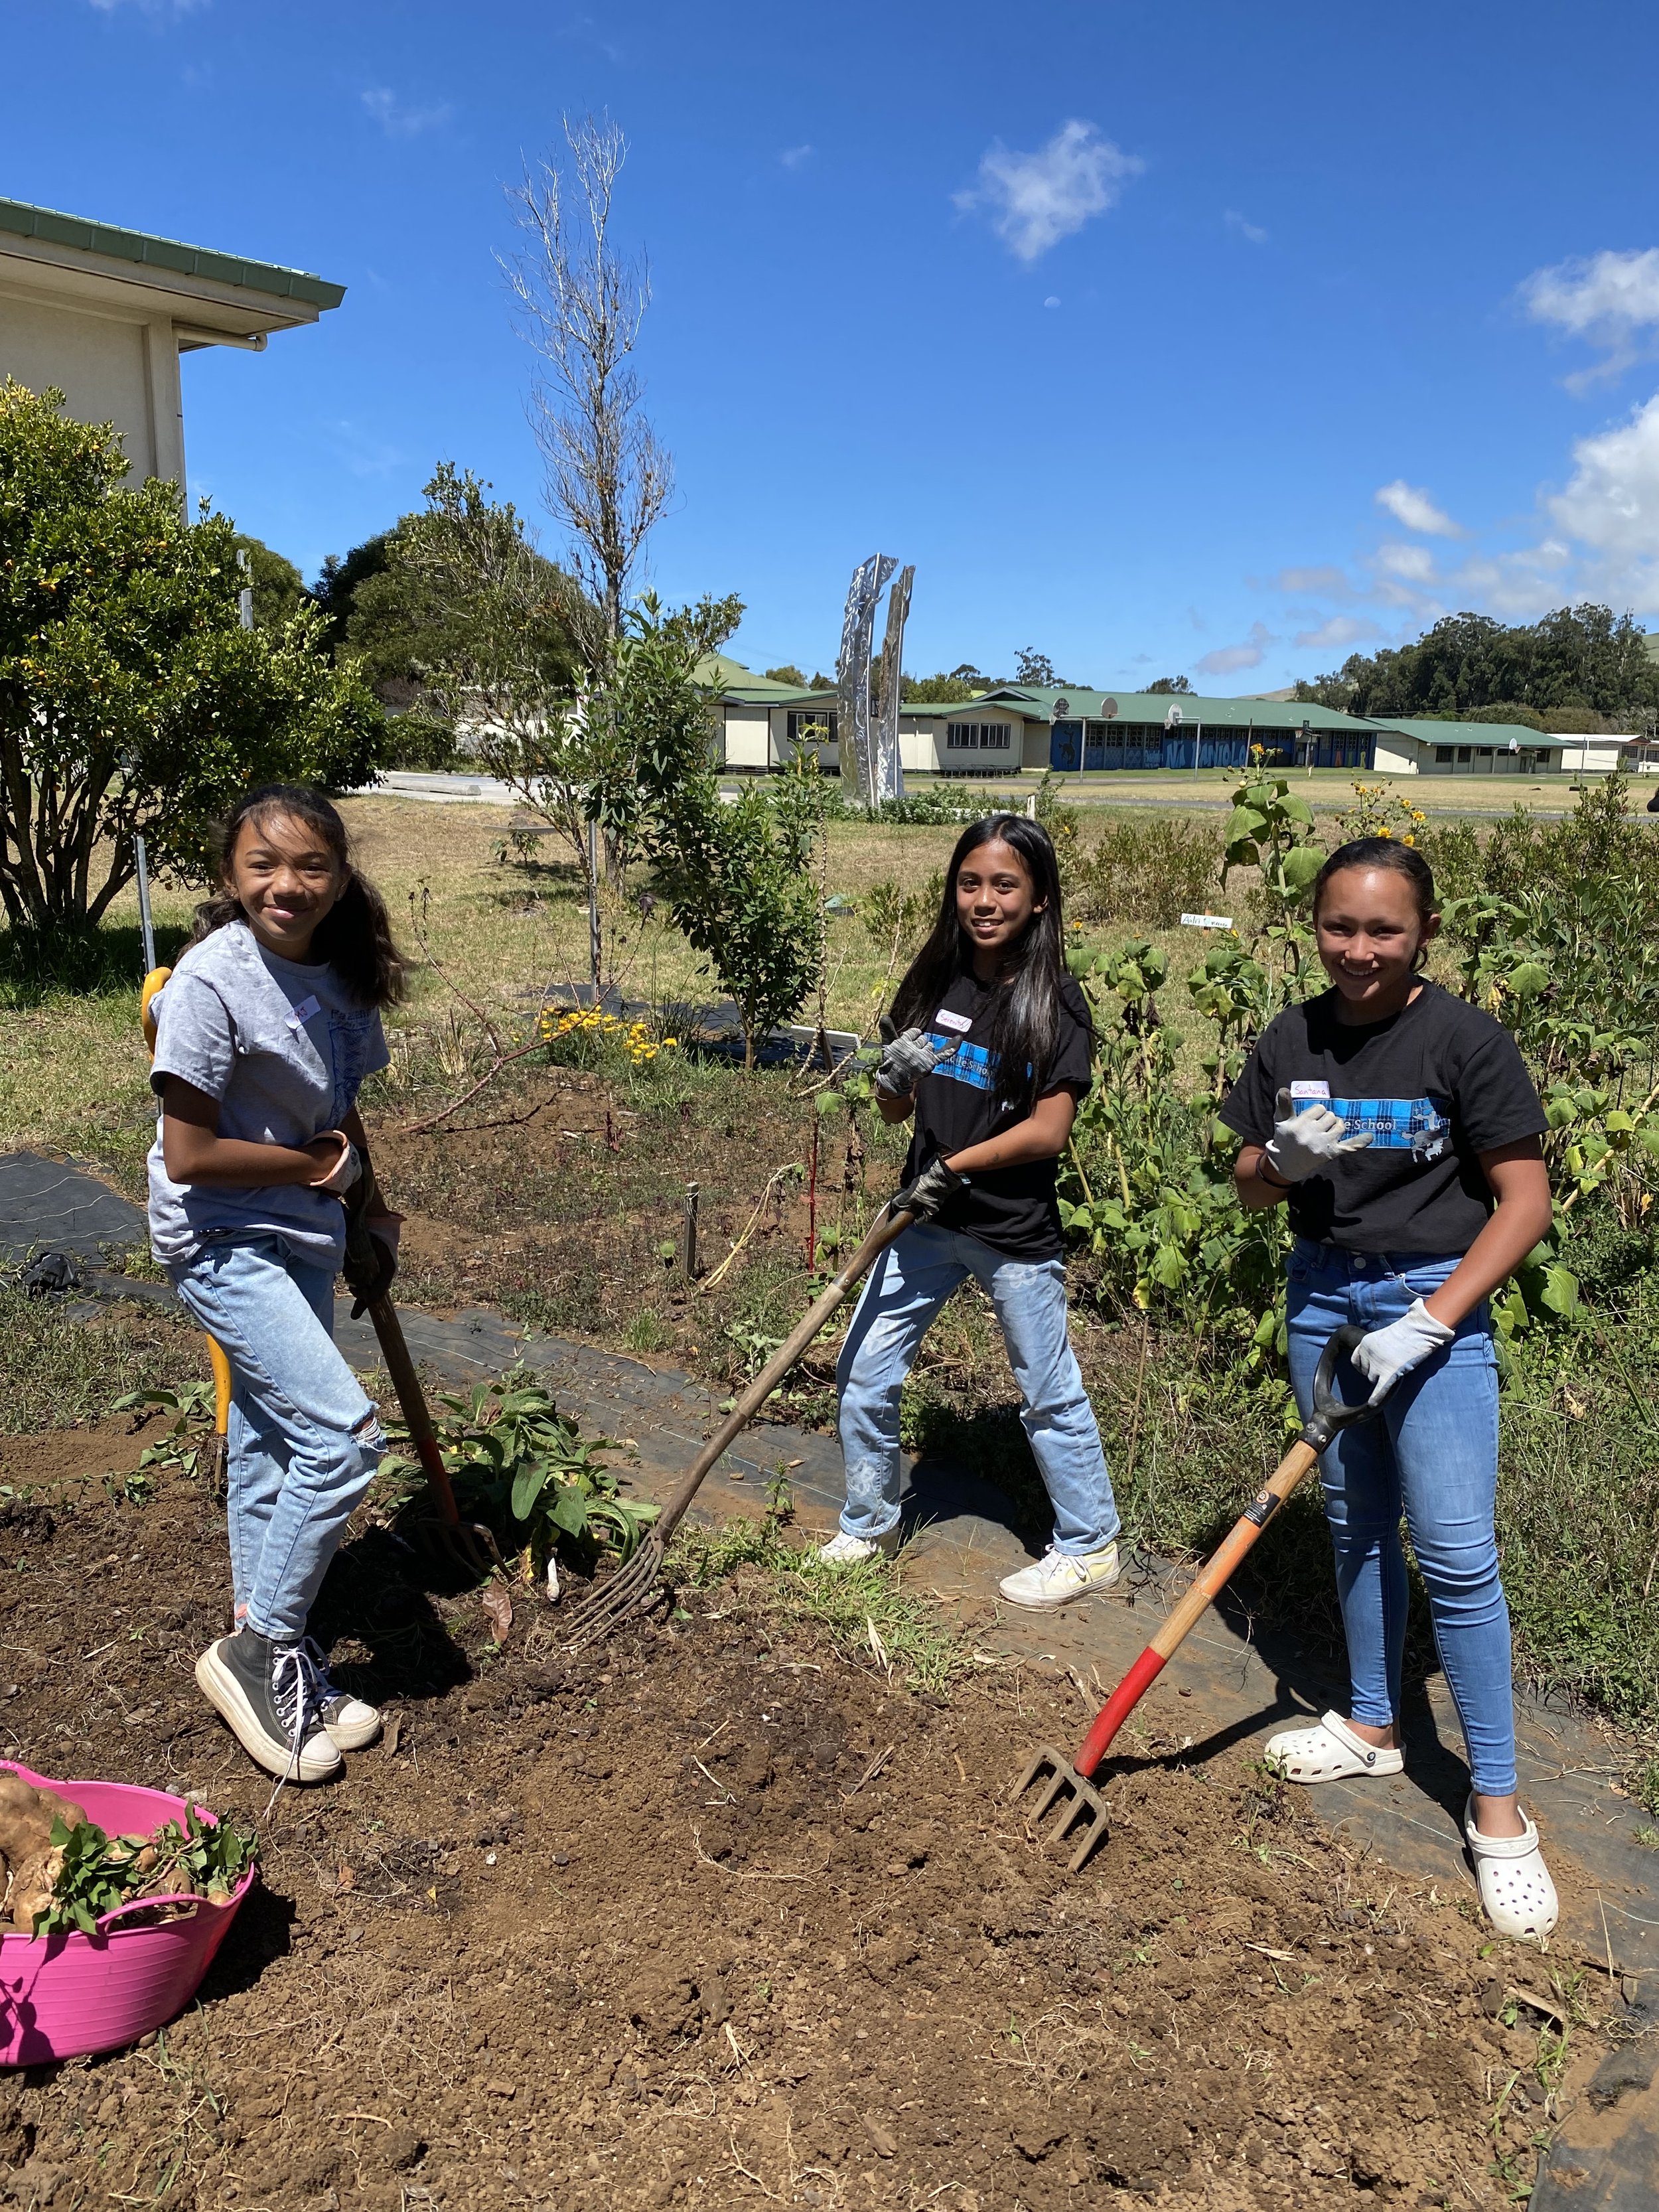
(990, 1051)
(1401, 1129)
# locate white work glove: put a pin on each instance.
(1387, 1353)
(1305, 1144)
(904, 1060)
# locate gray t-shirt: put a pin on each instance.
(284, 1050)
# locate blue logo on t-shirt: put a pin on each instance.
(963, 1062)
(1421, 1127)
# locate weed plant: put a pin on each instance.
(866, 1611)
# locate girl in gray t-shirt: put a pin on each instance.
(265, 1031)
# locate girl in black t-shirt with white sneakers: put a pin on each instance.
(990, 1051)
(1401, 1129)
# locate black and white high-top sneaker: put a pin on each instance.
(349, 1722)
(267, 1693)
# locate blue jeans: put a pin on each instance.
(304, 1441)
(1429, 1452)
(908, 1284)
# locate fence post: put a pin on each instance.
(688, 1236)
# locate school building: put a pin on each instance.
(1019, 727)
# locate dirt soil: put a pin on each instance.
(712, 1919)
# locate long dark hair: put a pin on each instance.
(355, 936)
(1024, 1016)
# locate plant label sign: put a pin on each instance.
(1206, 922)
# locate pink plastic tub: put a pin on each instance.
(63, 1995)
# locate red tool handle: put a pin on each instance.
(1212, 1580)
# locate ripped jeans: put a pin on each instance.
(1429, 1452)
(304, 1440)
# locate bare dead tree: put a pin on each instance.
(581, 306)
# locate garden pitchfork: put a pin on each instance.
(629, 1590)
(1069, 1781)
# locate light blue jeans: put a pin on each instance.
(1429, 1452)
(304, 1441)
(908, 1284)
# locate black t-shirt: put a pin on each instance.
(1013, 1210)
(1436, 1084)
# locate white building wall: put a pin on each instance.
(1398, 755)
(110, 368)
(748, 738)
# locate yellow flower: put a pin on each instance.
(1407, 839)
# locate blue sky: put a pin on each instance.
(1171, 336)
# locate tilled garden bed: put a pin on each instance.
(722, 1916)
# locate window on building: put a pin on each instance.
(809, 729)
(1466, 752)
(978, 737)
(1442, 756)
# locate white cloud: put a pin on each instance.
(1033, 200)
(1251, 231)
(1340, 629)
(399, 120)
(793, 157)
(152, 7)
(1410, 564)
(1324, 583)
(1608, 300)
(1610, 505)
(1410, 505)
(1228, 659)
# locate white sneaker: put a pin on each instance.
(347, 1721)
(845, 1551)
(1061, 1577)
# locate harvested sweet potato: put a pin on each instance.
(28, 1858)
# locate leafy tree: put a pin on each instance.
(131, 698)
(336, 589)
(279, 589)
(1033, 667)
(940, 691)
(1170, 684)
(1580, 660)
(739, 883)
(788, 674)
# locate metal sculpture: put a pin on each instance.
(869, 730)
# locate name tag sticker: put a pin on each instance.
(947, 1020)
(1310, 1091)
(303, 1012)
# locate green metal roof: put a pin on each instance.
(1038, 704)
(170, 253)
(1463, 733)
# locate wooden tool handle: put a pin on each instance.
(410, 1396)
(822, 1311)
(1211, 1580)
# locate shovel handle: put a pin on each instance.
(887, 1225)
(410, 1396)
(1328, 1415)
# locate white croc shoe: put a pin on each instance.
(1516, 1893)
(1330, 1753)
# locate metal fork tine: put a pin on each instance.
(1080, 1803)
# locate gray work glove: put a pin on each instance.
(1388, 1353)
(1309, 1142)
(929, 1191)
(904, 1060)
